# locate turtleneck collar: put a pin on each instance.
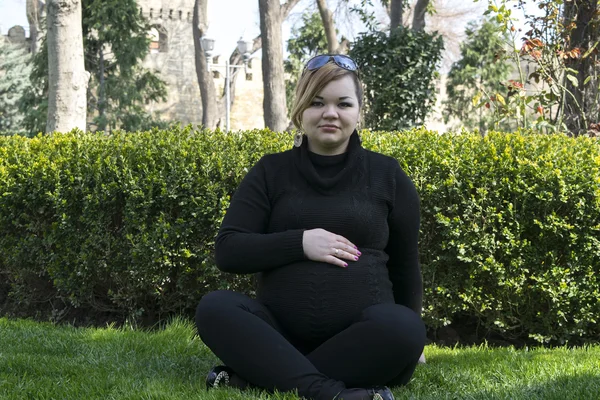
(305, 161)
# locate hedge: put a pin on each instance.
(124, 224)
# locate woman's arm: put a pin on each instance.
(242, 246)
(402, 248)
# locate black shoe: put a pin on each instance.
(381, 393)
(375, 393)
(218, 377)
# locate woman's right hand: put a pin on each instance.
(324, 246)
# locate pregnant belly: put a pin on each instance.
(314, 301)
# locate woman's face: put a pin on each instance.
(332, 117)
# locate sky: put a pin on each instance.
(225, 26)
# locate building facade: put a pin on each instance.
(172, 55)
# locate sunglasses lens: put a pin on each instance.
(345, 62)
(317, 62)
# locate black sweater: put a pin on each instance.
(361, 195)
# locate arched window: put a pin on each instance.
(158, 40)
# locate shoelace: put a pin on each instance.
(221, 376)
(377, 397)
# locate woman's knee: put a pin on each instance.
(212, 305)
(398, 323)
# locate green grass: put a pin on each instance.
(43, 361)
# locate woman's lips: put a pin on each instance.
(329, 128)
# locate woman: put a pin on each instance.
(332, 230)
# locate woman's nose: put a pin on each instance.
(330, 111)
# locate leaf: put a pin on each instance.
(589, 51)
(476, 99)
(573, 79)
(587, 80)
(500, 99)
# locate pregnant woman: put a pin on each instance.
(332, 230)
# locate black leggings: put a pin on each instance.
(381, 347)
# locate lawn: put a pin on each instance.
(43, 361)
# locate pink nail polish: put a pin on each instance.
(359, 253)
(345, 265)
(356, 258)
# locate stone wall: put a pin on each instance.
(172, 55)
(16, 36)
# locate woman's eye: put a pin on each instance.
(316, 104)
(345, 105)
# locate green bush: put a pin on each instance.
(399, 72)
(125, 224)
(510, 230)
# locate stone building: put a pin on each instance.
(172, 55)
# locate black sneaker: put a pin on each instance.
(218, 377)
(381, 393)
(375, 393)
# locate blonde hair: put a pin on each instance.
(313, 82)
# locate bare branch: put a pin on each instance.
(286, 8)
(329, 26)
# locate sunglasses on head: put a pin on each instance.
(340, 60)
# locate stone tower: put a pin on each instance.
(172, 55)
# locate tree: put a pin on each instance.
(399, 73)
(208, 94)
(15, 67)
(67, 77)
(333, 46)
(35, 15)
(396, 12)
(33, 103)
(419, 11)
(481, 69)
(583, 16)
(274, 104)
(116, 42)
(561, 52)
(234, 59)
(305, 42)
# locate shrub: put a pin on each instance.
(510, 230)
(125, 224)
(399, 72)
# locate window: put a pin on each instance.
(158, 40)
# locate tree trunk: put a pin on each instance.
(329, 26)
(419, 15)
(35, 14)
(272, 65)
(236, 59)
(205, 81)
(67, 77)
(396, 9)
(582, 107)
(101, 91)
